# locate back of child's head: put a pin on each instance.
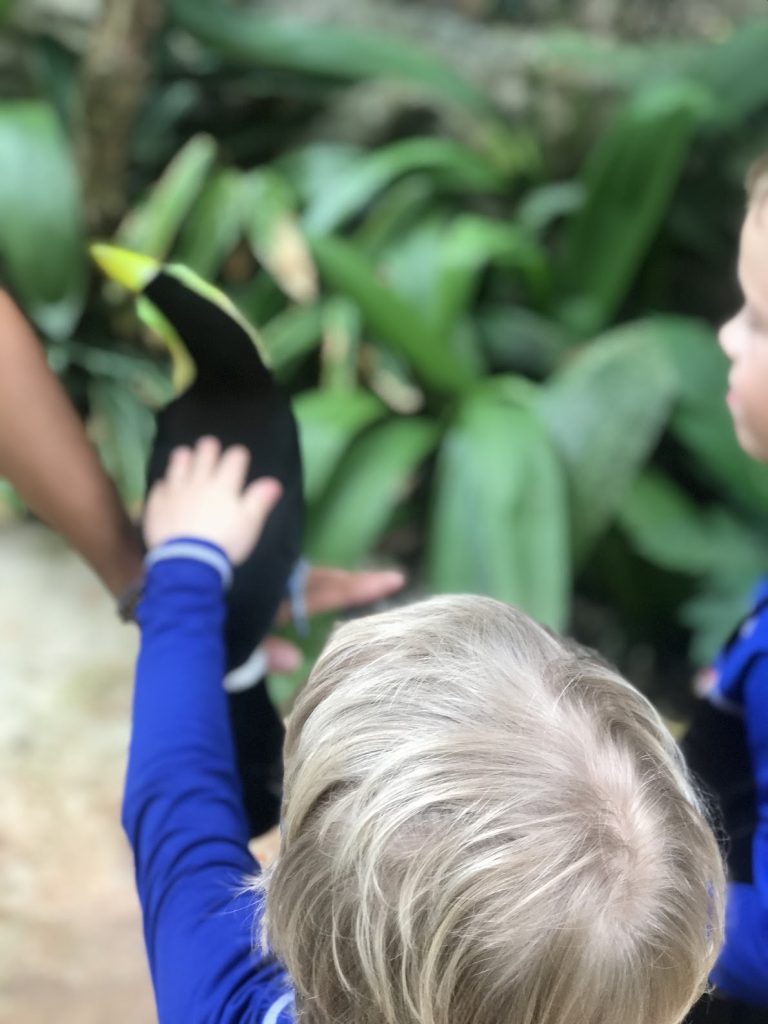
(485, 824)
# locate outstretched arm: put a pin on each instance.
(45, 454)
(183, 810)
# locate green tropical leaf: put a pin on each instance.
(669, 529)
(629, 178)
(395, 322)
(57, 69)
(338, 53)
(373, 478)
(152, 226)
(727, 555)
(328, 423)
(137, 373)
(606, 410)
(544, 205)
(410, 264)
(313, 169)
(500, 516)
(469, 245)
(42, 244)
(715, 611)
(394, 213)
(340, 350)
(733, 69)
(215, 225)
(519, 340)
(122, 429)
(274, 234)
(293, 334)
(448, 162)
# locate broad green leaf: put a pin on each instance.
(395, 322)
(339, 353)
(448, 163)
(665, 526)
(471, 244)
(544, 205)
(605, 60)
(322, 50)
(214, 227)
(313, 169)
(630, 179)
(152, 226)
(722, 601)
(701, 420)
(395, 212)
(390, 379)
(730, 67)
(293, 334)
(328, 423)
(733, 69)
(500, 515)
(57, 69)
(122, 429)
(274, 234)
(410, 265)
(170, 102)
(373, 478)
(606, 410)
(137, 373)
(42, 245)
(518, 340)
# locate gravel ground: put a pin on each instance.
(70, 935)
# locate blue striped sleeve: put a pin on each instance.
(183, 811)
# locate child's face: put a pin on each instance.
(744, 339)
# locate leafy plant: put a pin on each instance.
(485, 384)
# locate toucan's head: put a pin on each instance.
(209, 341)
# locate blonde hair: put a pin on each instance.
(483, 824)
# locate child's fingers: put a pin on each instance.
(232, 469)
(205, 457)
(179, 465)
(260, 498)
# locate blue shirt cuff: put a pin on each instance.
(197, 550)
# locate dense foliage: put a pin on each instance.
(502, 358)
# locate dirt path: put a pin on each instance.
(70, 936)
(71, 949)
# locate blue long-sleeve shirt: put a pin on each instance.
(183, 811)
(741, 688)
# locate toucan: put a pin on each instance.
(225, 389)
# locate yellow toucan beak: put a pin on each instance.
(132, 270)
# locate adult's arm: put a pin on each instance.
(46, 455)
(183, 810)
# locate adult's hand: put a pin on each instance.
(329, 590)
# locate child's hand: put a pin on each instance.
(202, 496)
